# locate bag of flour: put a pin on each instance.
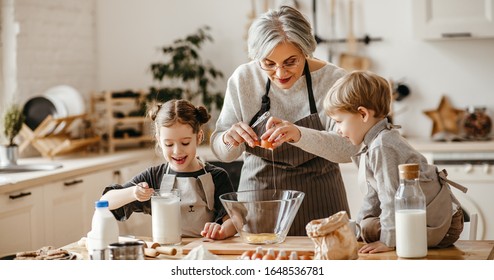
(333, 238)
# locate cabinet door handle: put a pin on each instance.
(22, 194)
(73, 182)
(456, 35)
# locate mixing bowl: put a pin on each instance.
(262, 216)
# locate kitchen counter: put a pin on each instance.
(463, 250)
(79, 164)
(72, 165)
(429, 146)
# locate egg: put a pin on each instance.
(293, 255)
(266, 144)
(282, 255)
(270, 255)
(257, 255)
(305, 257)
(247, 255)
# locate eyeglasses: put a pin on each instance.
(288, 64)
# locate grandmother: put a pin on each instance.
(284, 79)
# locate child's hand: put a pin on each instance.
(280, 131)
(142, 191)
(375, 247)
(213, 231)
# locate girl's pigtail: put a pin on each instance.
(154, 110)
(202, 115)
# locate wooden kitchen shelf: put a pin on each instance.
(52, 137)
(128, 120)
(110, 114)
(130, 140)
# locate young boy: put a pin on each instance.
(360, 102)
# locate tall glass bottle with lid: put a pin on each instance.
(410, 214)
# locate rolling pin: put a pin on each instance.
(152, 250)
(149, 244)
(166, 250)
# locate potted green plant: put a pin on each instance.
(186, 75)
(12, 119)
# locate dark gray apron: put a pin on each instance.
(295, 169)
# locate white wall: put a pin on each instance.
(462, 70)
(55, 45)
(130, 31)
(111, 43)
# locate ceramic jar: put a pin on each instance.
(477, 124)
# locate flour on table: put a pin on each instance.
(200, 253)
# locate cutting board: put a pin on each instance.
(235, 246)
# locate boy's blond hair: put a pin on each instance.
(359, 88)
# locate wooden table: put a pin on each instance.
(232, 248)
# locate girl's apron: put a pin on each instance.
(291, 168)
(196, 200)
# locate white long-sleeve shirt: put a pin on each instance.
(386, 149)
(242, 101)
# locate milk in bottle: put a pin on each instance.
(410, 214)
(104, 231)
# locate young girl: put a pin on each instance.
(359, 102)
(177, 125)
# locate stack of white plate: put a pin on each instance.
(59, 101)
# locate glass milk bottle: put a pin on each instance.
(410, 217)
(166, 217)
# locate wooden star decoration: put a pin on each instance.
(445, 118)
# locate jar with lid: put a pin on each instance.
(476, 123)
(410, 214)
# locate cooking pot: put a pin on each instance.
(59, 101)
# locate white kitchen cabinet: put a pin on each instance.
(69, 206)
(38, 209)
(21, 220)
(138, 224)
(452, 19)
(129, 171)
(94, 185)
(479, 179)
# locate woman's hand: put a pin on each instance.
(375, 247)
(240, 133)
(142, 192)
(213, 231)
(280, 131)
